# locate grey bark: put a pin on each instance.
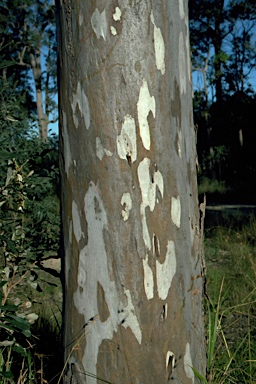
(43, 120)
(133, 271)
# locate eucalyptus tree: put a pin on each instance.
(223, 44)
(134, 269)
(224, 58)
(28, 42)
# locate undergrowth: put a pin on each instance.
(231, 321)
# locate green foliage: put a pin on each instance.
(207, 186)
(213, 163)
(223, 59)
(29, 231)
(222, 43)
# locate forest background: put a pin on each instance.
(223, 46)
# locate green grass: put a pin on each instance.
(207, 185)
(231, 285)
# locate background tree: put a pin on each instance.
(224, 52)
(28, 41)
(133, 272)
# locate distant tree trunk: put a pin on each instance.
(133, 272)
(217, 39)
(36, 67)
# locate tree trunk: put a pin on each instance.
(217, 43)
(35, 62)
(133, 273)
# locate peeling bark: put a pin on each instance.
(133, 274)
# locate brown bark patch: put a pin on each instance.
(103, 309)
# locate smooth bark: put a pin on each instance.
(132, 242)
(43, 120)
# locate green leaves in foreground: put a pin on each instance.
(10, 321)
(199, 376)
(29, 231)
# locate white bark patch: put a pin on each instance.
(80, 100)
(159, 46)
(117, 15)
(113, 31)
(130, 318)
(181, 9)
(176, 211)
(146, 103)
(108, 152)
(100, 150)
(99, 23)
(166, 271)
(182, 64)
(188, 53)
(148, 279)
(67, 150)
(188, 364)
(148, 188)
(170, 357)
(76, 222)
(81, 19)
(127, 140)
(180, 144)
(126, 202)
(149, 183)
(93, 258)
(165, 311)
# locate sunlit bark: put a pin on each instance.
(132, 244)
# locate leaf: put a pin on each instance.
(6, 343)
(8, 307)
(20, 321)
(19, 349)
(2, 202)
(6, 326)
(10, 118)
(199, 376)
(5, 154)
(17, 324)
(33, 284)
(32, 317)
(7, 375)
(11, 244)
(1, 360)
(6, 63)
(30, 173)
(7, 272)
(2, 283)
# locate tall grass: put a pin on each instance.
(231, 284)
